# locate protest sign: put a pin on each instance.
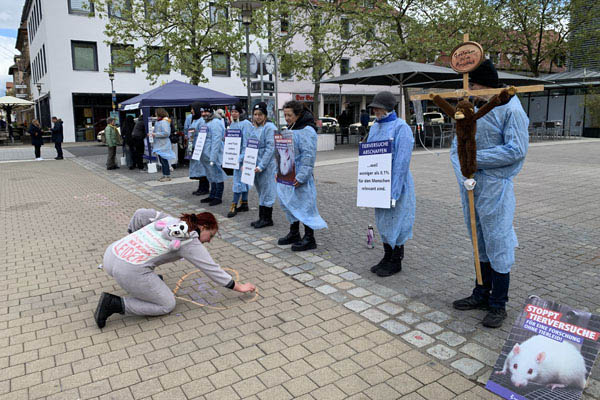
(286, 163)
(374, 174)
(231, 149)
(549, 353)
(200, 140)
(250, 157)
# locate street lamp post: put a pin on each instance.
(37, 102)
(247, 7)
(111, 76)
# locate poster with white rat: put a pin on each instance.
(549, 353)
(284, 154)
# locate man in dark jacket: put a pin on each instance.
(36, 138)
(137, 138)
(364, 123)
(57, 137)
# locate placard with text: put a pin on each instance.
(250, 158)
(200, 140)
(374, 186)
(286, 163)
(232, 149)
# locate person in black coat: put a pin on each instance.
(137, 138)
(57, 137)
(36, 138)
(127, 135)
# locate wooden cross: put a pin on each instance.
(465, 58)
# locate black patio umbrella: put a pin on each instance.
(503, 77)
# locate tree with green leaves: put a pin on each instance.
(325, 31)
(185, 35)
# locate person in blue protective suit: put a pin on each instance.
(299, 202)
(502, 141)
(395, 223)
(264, 180)
(192, 123)
(162, 144)
(212, 156)
(239, 189)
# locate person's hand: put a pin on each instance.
(469, 184)
(256, 170)
(212, 163)
(296, 183)
(244, 287)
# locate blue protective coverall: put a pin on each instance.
(264, 181)
(300, 203)
(197, 169)
(395, 224)
(502, 141)
(162, 143)
(213, 151)
(244, 126)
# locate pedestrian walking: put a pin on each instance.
(364, 124)
(162, 143)
(127, 135)
(502, 141)
(239, 189)
(395, 223)
(299, 202)
(193, 123)
(36, 138)
(137, 139)
(264, 180)
(113, 139)
(57, 137)
(131, 261)
(212, 155)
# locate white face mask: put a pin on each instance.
(385, 116)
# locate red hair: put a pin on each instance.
(205, 219)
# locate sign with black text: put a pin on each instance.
(549, 353)
(200, 140)
(250, 158)
(232, 149)
(374, 187)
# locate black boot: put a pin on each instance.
(394, 265)
(261, 211)
(267, 219)
(160, 276)
(243, 207)
(478, 300)
(199, 190)
(498, 299)
(308, 241)
(218, 195)
(293, 236)
(232, 211)
(108, 305)
(386, 257)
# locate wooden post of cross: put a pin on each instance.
(465, 58)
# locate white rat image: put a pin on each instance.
(545, 361)
(285, 161)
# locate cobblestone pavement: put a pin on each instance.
(20, 153)
(292, 342)
(415, 304)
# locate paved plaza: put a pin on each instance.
(322, 326)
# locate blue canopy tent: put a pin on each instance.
(174, 94)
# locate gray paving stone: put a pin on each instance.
(441, 352)
(373, 300)
(395, 327)
(451, 338)
(418, 338)
(390, 308)
(467, 366)
(307, 266)
(437, 317)
(374, 315)
(339, 297)
(429, 327)
(336, 270)
(304, 277)
(359, 292)
(314, 283)
(350, 276)
(326, 289)
(330, 278)
(409, 318)
(356, 305)
(399, 298)
(293, 270)
(418, 307)
(480, 353)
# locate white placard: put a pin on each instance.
(374, 186)
(200, 143)
(232, 148)
(249, 164)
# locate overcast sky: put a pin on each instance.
(10, 16)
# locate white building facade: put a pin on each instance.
(70, 60)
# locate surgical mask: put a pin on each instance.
(385, 116)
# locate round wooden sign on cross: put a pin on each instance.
(466, 57)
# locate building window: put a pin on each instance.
(344, 66)
(217, 13)
(345, 28)
(285, 23)
(81, 7)
(158, 61)
(285, 67)
(220, 64)
(121, 58)
(85, 56)
(243, 67)
(493, 56)
(45, 69)
(116, 8)
(560, 61)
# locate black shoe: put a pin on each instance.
(132, 167)
(58, 158)
(215, 202)
(108, 305)
(308, 241)
(394, 265)
(386, 257)
(261, 211)
(494, 318)
(232, 211)
(243, 207)
(206, 200)
(292, 237)
(160, 276)
(200, 192)
(471, 303)
(266, 220)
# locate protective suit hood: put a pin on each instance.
(306, 119)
